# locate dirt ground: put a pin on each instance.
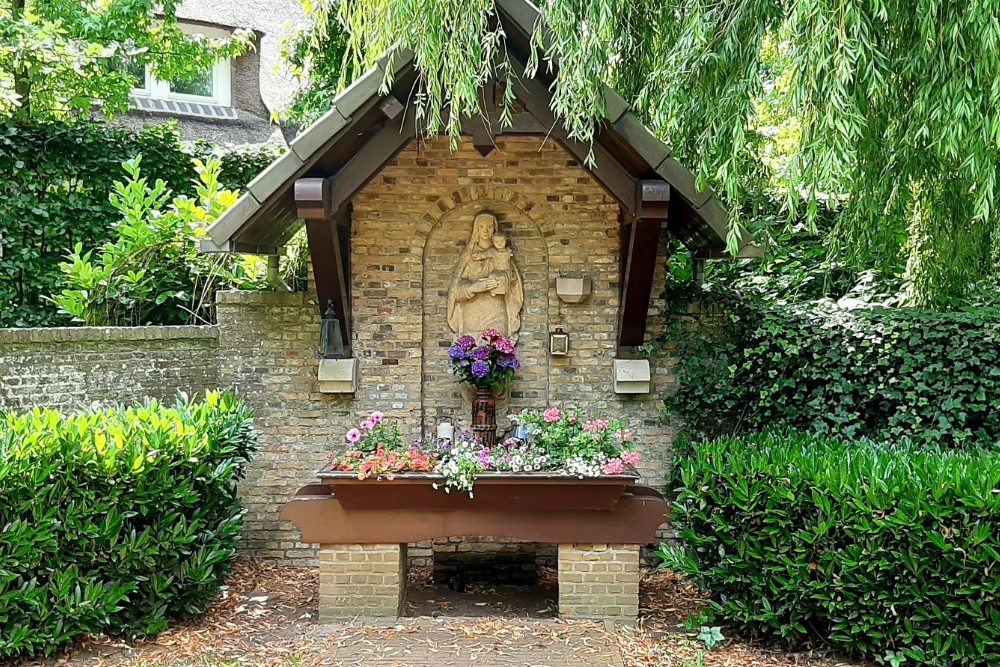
(267, 617)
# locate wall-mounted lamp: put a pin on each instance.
(573, 290)
(558, 343)
(331, 340)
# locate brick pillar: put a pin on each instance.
(366, 580)
(599, 581)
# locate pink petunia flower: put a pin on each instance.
(630, 458)
(353, 435)
(613, 467)
(551, 415)
(368, 424)
(377, 417)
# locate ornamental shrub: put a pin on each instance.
(115, 520)
(55, 179)
(886, 374)
(877, 549)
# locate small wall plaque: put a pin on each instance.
(573, 290)
(339, 376)
(631, 376)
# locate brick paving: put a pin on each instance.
(454, 642)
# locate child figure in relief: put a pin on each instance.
(500, 258)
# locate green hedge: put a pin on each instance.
(115, 520)
(55, 179)
(874, 548)
(878, 373)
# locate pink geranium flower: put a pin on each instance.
(614, 467)
(630, 458)
(551, 415)
(353, 435)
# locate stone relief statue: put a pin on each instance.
(487, 290)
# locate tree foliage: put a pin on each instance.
(56, 178)
(58, 57)
(892, 107)
(152, 272)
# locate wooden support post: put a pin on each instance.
(640, 243)
(327, 252)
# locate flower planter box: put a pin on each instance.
(517, 492)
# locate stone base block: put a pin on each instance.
(599, 581)
(361, 580)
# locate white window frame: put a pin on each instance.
(157, 89)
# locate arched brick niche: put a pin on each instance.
(445, 239)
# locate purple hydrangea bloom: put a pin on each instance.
(482, 353)
(508, 361)
(456, 352)
(466, 342)
(480, 369)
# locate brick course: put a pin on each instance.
(361, 580)
(599, 581)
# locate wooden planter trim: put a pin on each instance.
(323, 520)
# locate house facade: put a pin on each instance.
(231, 103)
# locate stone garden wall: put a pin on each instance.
(409, 224)
(72, 367)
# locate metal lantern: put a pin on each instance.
(331, 341)
(558, 343)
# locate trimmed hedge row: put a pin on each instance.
(880, 373)
(115, 520)
(876, 549)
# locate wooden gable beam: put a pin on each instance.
(607, 170)
(639, 247)
(327, 252)
(640, 243)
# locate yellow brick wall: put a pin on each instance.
(409, 225)
(599, 581)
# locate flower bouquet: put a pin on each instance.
(491, 364)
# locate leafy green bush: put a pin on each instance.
(880, 373)
(115, 520)
(55, 179)
(878, 549)
(153, 272)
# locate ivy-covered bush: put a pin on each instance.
(885, 551)
(747, 363)
(55, 179)
(116, 520)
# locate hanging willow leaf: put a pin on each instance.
(891, 107)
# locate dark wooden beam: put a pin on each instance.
(327, 251)
(368, 161)
(609, 172)
(640, 243)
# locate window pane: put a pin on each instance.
(129, 66)
(200, 84)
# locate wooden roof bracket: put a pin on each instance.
(640, 243)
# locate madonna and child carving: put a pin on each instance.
(487, 290)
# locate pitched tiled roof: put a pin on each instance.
(265, 216)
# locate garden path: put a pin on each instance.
(267, 618)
